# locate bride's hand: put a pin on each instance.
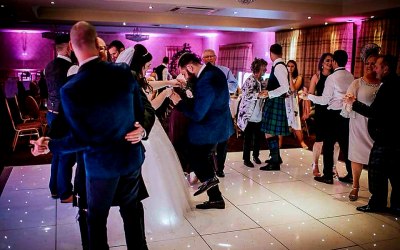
(136, 135)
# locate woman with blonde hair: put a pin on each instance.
(360, 142)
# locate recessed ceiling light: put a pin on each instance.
(242, 29)
(235, 12)
(186, 26)
(291, 28)
(124, 23)
(150, 7)
(372, 16)
(52, 2)
(2, 6)
(309, 18)
(326, 23)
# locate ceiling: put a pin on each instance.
(169, 16)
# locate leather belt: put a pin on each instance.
(52, 111)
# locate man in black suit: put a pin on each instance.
(383, 160)
(210, 122)
(56, 76)
(100, 128)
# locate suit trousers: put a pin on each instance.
(61, 169)
(383, 166)
(252, 138)
(128, 191)
(337, 128)
(202, 163)
(222, 148)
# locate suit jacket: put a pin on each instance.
(381, 126)
(101, 104)
(210, 116)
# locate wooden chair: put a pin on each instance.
(23, 129)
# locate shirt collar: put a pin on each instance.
(64, 57)
(277, 61)
(338, 68)
(201, 70)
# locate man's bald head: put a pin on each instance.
(83, 40)
(102, 47)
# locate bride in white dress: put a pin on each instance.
(169, 198)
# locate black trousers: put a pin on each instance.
(337, 130)
(252, 139)
(202, 163)
(127, 191)
(383, 166)
(222, 148)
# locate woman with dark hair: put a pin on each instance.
(317, 86)
(292, 103)
(250, 112)
(161, 169)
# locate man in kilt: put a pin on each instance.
(274, 121)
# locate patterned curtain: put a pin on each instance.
(305, 46)
(385, 33)
(170, 51)
(237, 57)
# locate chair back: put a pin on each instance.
(32, 107)
(9, 113)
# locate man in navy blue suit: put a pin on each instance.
(210, 122)
(102, 105)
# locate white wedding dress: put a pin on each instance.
(169, 198)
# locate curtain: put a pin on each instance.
(237, 57)
(383, 32)
(170, 51)
(305, 46)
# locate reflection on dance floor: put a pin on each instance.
(285, 209)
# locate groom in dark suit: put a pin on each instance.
(210, 122)
(101, 103)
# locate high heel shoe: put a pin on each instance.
(353, 196)
(335, 172)
(315, 170)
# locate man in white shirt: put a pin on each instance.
(335, 89)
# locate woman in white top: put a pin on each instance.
(292, 103)
(360, 142)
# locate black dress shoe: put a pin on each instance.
(346, 179)
(207, 185)
(271, 167)
(220, 173)
(248, 164)
(324, 179)
(370, 209)
(269, 160)
(256, 160)
(211, 204)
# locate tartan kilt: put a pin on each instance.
(274, 120)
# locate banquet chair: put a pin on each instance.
(23, 129)
(16, 110)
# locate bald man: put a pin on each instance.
(102, 47)
(99, 126)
